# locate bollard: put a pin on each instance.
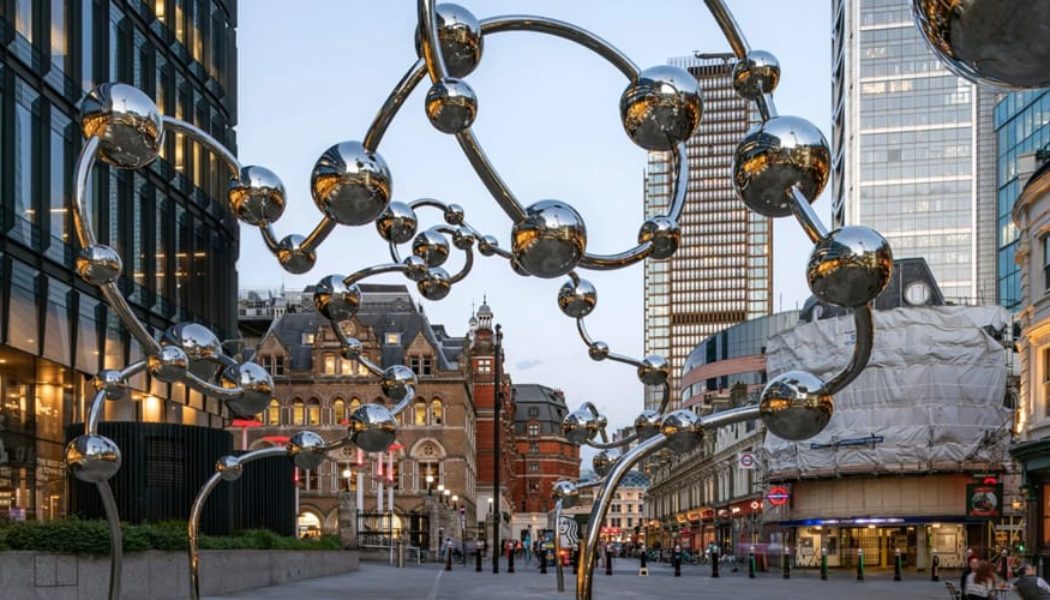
(510, 561)
(751, 563)
(643, 570)
(1004, 566)
(897, 564)
(677, 564)
(543, 561)
(714, 563)
(860, 564)
(401, 554)
(477, 565)
(787, 562)
(575, 560)
(824, 564)
(935, 567)
(448, 559)
(608, 562)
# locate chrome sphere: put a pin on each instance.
(850, 266)
(567, 492)
(551, 240)
(335, 300)
(603, 462)
(352, 348)
(664, 233)
(451, 105)
(756, 74)
(684, 430)
(257, 197)
(373, 427)
(462, 238)
(110, 381)
(306, 449)
(487, 245)
(580, 426)
(93, 458)
(992, 42)
(398, 381)
(454, 214)
(350, 184)
(775, 156)
(436, 285)
(432, 246)
(128, 125)
(196, 340)
(647, 424)
(229, 468)
(598, 350)
(415, 268)
(397, 223)
(796, 405)
(169, 365)
(99, 264)
(460, 39)
(256, 387)
(654, 370)
(293, 257)
(662, 107)
(577, 300)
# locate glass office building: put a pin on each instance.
(169, 221)
(722, 273)
(913, 148)
(1022, 126)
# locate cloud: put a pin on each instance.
(528, 364)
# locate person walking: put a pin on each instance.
(528, 548)
(1030, 586)
(981, 583)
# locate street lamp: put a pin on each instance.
(430, 480)
(347, 474)
(490, 505)
(447, 493)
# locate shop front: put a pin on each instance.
(918, 539)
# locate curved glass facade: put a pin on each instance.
(169, 221)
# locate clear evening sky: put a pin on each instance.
(314, 73)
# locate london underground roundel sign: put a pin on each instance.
(778, 495)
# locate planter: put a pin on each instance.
(156, 575)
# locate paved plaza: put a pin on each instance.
(431, 582)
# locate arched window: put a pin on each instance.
(437, 412)
(273, 413)
(313, 412)
(421, 413)
(339, 411)
(297, 411)
(355, 403)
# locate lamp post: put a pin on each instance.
(446, 494)
(496, 449)
(430, 481)
(347, 474)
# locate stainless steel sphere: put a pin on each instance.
(462, 238)
(257, 197)
(169, 365)
(293, 257)
(662, 107)
(352, 348)
(432, 246)
(777, 155)
(850, 266)
(647, 424)
(129, 128)
(995, 42)
(454, 214)
(684, 430)
(567, 492)
(415, 268)
(372, 428)
(350, 184)
(229, 468)
(93, 458)
(487, 245)
(110, 381)
(335, 300)
(580, 426)
(196, 340)
(551, 240)
(598, 350)
(756, 74)
(451, 105)
(603, 462)
(398, 381)
(796, 405)
(577, 300)
(459, 37)
(306, 449)
(99, 264)
(436, 285)
(654, 370)
(256, 385)
(397, 223)
(664, 233)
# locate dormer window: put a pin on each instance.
(393, 339)
(308, 339)
(534, 429)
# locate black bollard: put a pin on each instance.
(823, 564)
(575, 560)
(643, 569)
(935, 567)
(751, 563)
(860, 564)
(448, 560)
(510, 561)
(787, 562)
(1004, 566)
(608, 562)
(677, 564)
(477, 565)
(897, 564)
(714, 564)
(543, 561)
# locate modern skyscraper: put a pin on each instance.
(722, 273)
(170, 221)
(913, 148)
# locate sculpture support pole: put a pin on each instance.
(862, 318)
(116, 539)
(557, 546)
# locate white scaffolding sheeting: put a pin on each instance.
(931, 398)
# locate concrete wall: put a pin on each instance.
(160, 575)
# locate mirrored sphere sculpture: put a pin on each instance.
(372, 428)
(777, 155)
(257, 197)
(93, 458)
(229, 467)
(795, 405)
(460, 39)
(850, 266)
(306, 449)
(255, 384)
(350, 184)
(451, 105)
(662, 107)
(604, 461)
(99, 265)
(126, 122)
(551, 240)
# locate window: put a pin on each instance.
(355, 403)
(484, 365)
(297, 412)
(329, 364)
(437, 412)
(534, 411)
(313, 412)
(346, 367)
(1046, 382)
(1046, 264)
(534, 467)
(60, 34)
(414, 364)
(339, 411)
(431, 469)
(24, 18)
(534, 429)
(278, 365)
(308, 339)
(273, 413)
(427, 365)
(393, 339)
(420, 413)
(534, 447)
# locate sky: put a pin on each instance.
(315, 75)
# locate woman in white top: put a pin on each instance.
(981, 582)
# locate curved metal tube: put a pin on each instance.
(120, 305)
(666, 399)
(372, 271)
(468, 264)
(681, 183)
(319, 234)
(557, 546)
(568, 31)
(428, 203)
(212, 144)
(767, 108)
(627, 360)
(116, 538)
(81, 181)
(269, 238)
(210, 389)
(91, 423)
(582, 329)
(863, 320)
(405, 402)
(726, 22)
(488, 175)
(605, 445)
(428, 40)
(371, 366)
(393, 104)
(585, 572)
(806, 216)
(731, 416)
(608, 262)
(193, 526)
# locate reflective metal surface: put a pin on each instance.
(683, 430)
(398, 381)
(257, 197)
(647, 424)
(653, 370)
(197, 341)
(125, 121)
(170, 365)
(451, 105)
(663, 233)
(756, 74)
(255, 384)
(603, 462)
(661, 108)
(577, 299)
(229, 468)
(551, 239)
(432, 246)
(777, 155)
(293, 256)
(351, 185)
(99, 264)
(373, 428)
(306, 449)
(397, 223)
(850, 267)
(459, 37)
(336, 300)
(92, 458)
(796, 405)
(566, 493)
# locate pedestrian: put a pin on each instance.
(971, 566)
(981, 583)
(528, 549)
(1030, 586)
(448, 546)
